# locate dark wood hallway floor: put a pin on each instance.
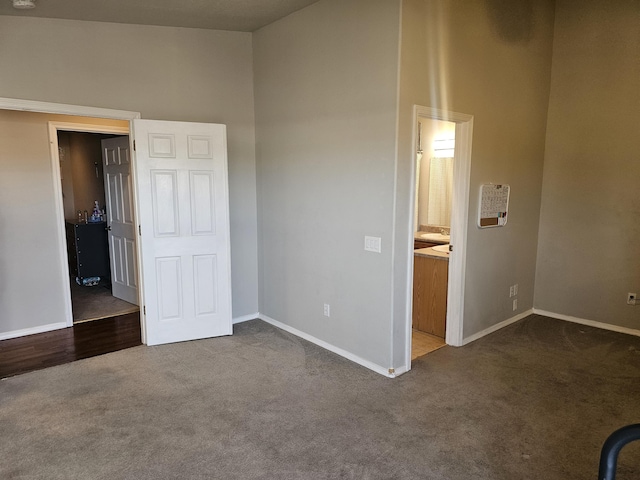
(84, 340)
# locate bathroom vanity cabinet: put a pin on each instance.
(88, 249)
(417, 244)
(430, 281)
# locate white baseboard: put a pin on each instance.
(245, 318)
(496, 327)
(33, 330)
(327, 346)
(590, 323)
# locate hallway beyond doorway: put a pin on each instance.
(93, 303)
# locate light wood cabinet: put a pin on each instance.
(430, 280)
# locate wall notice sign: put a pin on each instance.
(494, 205)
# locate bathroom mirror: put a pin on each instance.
(434, 174)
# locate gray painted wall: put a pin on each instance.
(165, 74)
(66, 172)
(85, 156)
(494, 63)
(589, 254)
(31, 294)
(325, 87)
(325, 100)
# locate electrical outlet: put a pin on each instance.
(631, 298)
(515, 290)
(327, 310)
(511, 291)
(515, 304)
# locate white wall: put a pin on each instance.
(164, 73)
(589, 254)
(325, 86)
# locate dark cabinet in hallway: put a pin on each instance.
(88, 249)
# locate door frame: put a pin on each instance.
(79, 111)
(54, 128)
(459, 222)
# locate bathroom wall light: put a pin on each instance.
(24, 4)
(443, 148)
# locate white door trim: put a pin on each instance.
(75, 110)
(63, 109)
(459, 222)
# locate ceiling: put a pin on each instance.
(238, 15)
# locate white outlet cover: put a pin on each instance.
(373, 244)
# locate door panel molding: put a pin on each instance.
(119, 197)
(183, 204)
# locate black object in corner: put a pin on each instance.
(611, 450)
(88, 249)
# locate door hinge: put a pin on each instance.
(134, 145)
(450, 248)
(139, 230)
(144, 309)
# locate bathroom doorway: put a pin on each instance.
(440, 191)
(434, 162)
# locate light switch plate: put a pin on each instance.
(373, 244)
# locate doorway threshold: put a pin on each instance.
(423, 343)
(90, 339)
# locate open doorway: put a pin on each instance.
(94, 255)
(441, 169)
(35, 270)
(434, 160)
(177, 196)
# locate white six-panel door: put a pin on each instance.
(181, 176)
(118, 188)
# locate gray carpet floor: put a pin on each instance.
(532, 401)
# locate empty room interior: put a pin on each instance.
(398, 177)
